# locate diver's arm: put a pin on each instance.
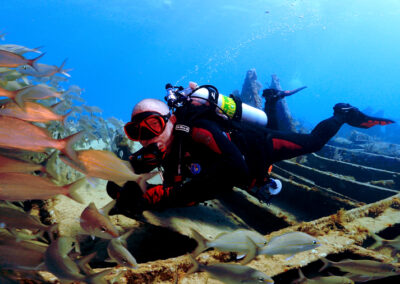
(146, 159)
(142, 161)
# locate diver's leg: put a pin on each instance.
(286, 145)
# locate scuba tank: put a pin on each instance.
(228, 107)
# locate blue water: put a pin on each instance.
(126, 50)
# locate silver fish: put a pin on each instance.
(235, 241)
(97, 222)
(119, 253)
(19, 49)
(290, 244)
(231, 273)
(10, 75)
(363, 267)
(58, 262)
(381, 242)
(115, 122)
(322, 280)
(35, 92)
(74, 89)
(92, 109)
(44, 70)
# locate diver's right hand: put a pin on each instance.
(130, 201)
(113, 190)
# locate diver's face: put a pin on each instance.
(164, 140)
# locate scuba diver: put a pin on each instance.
(205, 143)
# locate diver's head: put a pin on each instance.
(150, 123)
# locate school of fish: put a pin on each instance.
(29, 113)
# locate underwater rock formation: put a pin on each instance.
(250, 89)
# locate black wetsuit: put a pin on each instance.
(213, 161)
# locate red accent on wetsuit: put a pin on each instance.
(371, 123)
(177, 178)
(156, 193)
(252, 184)
(205, 137)
(280, 143)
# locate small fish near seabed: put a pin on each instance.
(363, 268)
(21, 255)
(381, 242)
(289, 244)
(333, 279)
(97, 223)
(118, 252)
(63, 267)
(13, 217)
(106, 165)
(231, 273)
(235, 241)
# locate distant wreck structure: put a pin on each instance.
(251, 89)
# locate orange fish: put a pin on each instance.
(31, 112)
(97, 223)
(9, 59)
(21, 255)
(106, 165)
(19, 134)
(19, 186)
(13, 217)
(8, 165)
